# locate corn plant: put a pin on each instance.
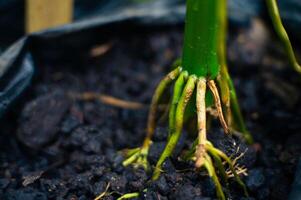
(202, 80)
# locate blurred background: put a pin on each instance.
(23, 16)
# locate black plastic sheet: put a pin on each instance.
(240, 12)
(17, 67)
(17, 62)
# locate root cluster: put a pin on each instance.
(203, 152)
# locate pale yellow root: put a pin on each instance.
(201, 117)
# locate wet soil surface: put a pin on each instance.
(56, 147)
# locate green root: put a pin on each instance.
(211, 171)
(179, 116)
(178, 89)
(282, 34)
(221, 168)
(129, 196)
(237, 118)
(151, 123)
(138, 156)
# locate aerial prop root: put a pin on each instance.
(178, 125)
(138, 156)
(202, 152)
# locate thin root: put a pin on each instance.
(240, 170)
(112, 101)
(218, 106)
(106, 99)
(229, 162)
(103, 194)
(151, 123)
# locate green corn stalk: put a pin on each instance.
(203, 63)
(201, 37)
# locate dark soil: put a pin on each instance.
(55, 147)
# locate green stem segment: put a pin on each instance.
(201, 38)
(280, 30)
